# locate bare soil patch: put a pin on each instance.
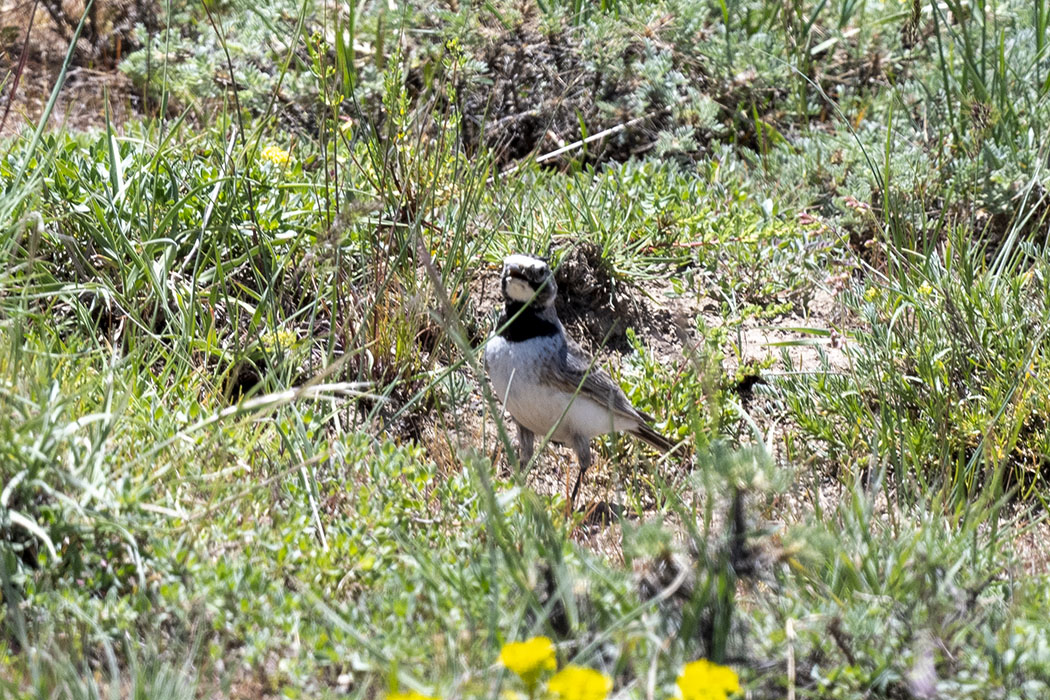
(91, 82)
(805, 336)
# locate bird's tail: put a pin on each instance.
(645, 432)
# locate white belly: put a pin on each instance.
(516, 371)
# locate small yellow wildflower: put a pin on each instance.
(925, 289)
(276, 155)
(283, 339)
(529, 659)
(872, 294)
(410, 695)
(703, 680)
(578, 683)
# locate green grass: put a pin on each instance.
(246, 447)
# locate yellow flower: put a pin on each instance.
(529, 659)
(872, 294)
(925, 289)
(276, 155)
(283, 338)
(578, 683)
(703, 680)
(410, 695)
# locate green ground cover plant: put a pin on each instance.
(246, 444)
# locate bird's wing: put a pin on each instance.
(576, 370)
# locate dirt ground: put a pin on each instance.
(81, 104)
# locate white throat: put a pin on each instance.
(519, 290)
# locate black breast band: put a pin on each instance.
(525, 325)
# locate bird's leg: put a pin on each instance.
(526, 443)
(582, 446)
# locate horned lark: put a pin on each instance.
(545, 380)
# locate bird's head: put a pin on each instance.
(528, 279)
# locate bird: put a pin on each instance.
(545, 380)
